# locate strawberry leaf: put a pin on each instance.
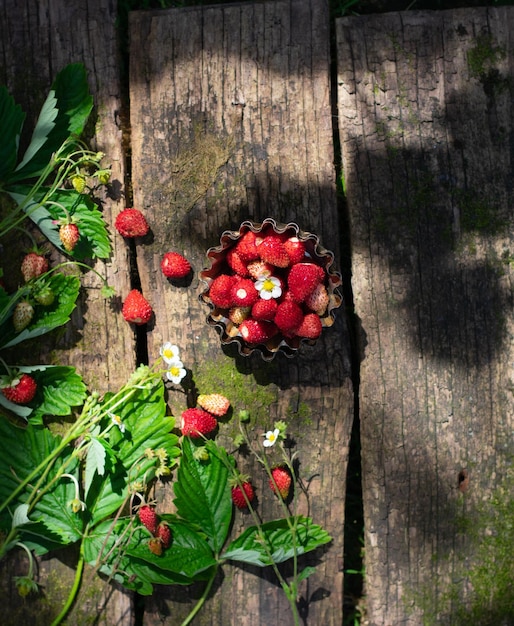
(275, 543)
(116, 548)
(64, 113)
(146, 427)
(66, 290)
(94, 239)
(95, 462)
(202, 493)
(11, 123)
(25, 449)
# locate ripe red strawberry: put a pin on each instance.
(237, 494)
(246, 247)
(197, 422)
(20, 389)
(136, 308)
(69, 235)
(264, 309)
(22, 315)
(174, 265)
(236, 263)
(244, 292)
(303, 278)
(256, 331)
(164, 534)
(220, 291)
(155, 546)
(238, 314)
(131, 223)
(318, 299)
(295, 249)
(288, 317)
(272, 250)
(282, 480)
(310, 327)
(33, 265)
(215, 403)
(148, 517)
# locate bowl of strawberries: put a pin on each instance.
(270, 287)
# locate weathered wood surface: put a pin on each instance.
(231, 120)
(37, 40)
(426, 118)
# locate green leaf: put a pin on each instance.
(64, 113)
(147, 427)
(11, 123)
(188, 555)
(95, 462)
(21, 451)
(66, 289)
(59, 389)
(94, 239)
(202, 493)
(277, 536)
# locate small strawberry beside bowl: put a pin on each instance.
(270, 287)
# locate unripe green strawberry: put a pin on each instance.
(22, 315)
(44, 296)
(79, 183)
(69, 235)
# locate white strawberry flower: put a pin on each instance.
(268, 287)
(271, 438)
(169, 352)
(176, 371)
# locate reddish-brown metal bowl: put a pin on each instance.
(228, 331)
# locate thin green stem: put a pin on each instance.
(73, 592)
(202, 600)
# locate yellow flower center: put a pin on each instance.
(268, 285)
(168, 353)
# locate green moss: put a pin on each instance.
(300, 414)
(483, 56)
(246, 388)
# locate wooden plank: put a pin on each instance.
(425, 116)
(39, 39)
(246, 86)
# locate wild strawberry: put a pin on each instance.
(256, 331)
(318, 299)
(220, 291)
(295, 249)
(44, 295)
(246, 247)
(197, 422)
(244, 292)
(236, 263)
(281, 480)
(272, 250)
(303, 278)
(22, 315)
(215, 403)
(288, 317)
(79, 183)
(264, 309)
(69, 235)
(260, 269)
(164, 534)
(237, 494)
(239, 314)
(136, 308)
(174, 265)
(310, 327)
(131, 223)
(155, 546)
(148, 517)
(33, 265)
(20, 389)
